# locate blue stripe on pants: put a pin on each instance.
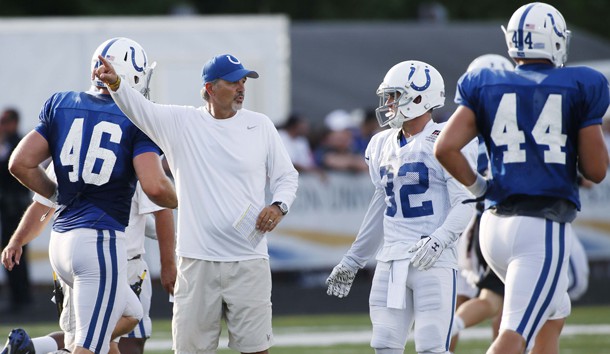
(542, 279)
(100, 291)
(448, 342)
(113, 287)
(549, 296)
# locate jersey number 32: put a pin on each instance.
(418, 170)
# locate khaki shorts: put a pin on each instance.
(206, 292)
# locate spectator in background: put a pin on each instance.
(432, 12)
(336, 151)
(14, 199)
(294, 136)
(366, 129)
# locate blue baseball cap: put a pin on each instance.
(226, 67)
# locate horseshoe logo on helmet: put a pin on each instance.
(426, 85)
(557, 32)
(133, 60)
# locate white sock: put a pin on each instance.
(388, 351)
(458, 325)
(44, 344)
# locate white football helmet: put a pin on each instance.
(538, 30)
(491, 61)
(129, 61)
(409, 89)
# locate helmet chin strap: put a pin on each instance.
(398, 121)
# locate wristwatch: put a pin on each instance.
(283, 207)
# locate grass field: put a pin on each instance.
(596, 342)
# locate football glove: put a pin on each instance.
(340, 280)
(427, 251)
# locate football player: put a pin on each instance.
(542, 125)
(97, 153)
(487, 301)
(32, 224)
(416, 214)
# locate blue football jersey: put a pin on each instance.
(92, 144)
(530, 119)
(482, 159)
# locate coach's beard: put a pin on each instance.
(238, 102)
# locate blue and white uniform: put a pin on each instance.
(578, 271)
(92, 144)
(414, 196)
(530, 119)
(137, 268)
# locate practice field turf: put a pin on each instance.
(316, 334)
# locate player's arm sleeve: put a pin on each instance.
(45, 117)
(597, 98)
(463, 92)
(159, 122)
(142, 143)
(283, 177)
(460, 214)
(370, 235)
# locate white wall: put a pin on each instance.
(42, 56)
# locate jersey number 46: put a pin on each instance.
(71, 151)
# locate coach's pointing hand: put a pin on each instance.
(107, 74)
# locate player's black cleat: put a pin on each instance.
(19, 342)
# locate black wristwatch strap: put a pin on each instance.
(282, 206)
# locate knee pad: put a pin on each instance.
(428, 296)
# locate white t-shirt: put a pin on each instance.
(220, 167)
(141, 206)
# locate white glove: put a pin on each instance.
(340, 280)
(427, 250)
